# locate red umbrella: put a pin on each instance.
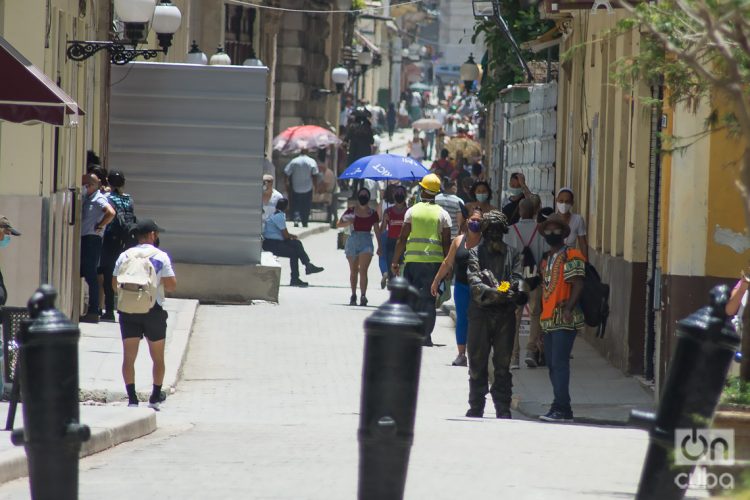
(294, 139)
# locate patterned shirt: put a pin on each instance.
(558, 272)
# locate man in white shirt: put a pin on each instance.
(300, 175)
(270, 197)
(440, 113)
(525, 233)
(153, 324)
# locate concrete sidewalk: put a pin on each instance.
(100, 356)
(601, 394)
(110, 426)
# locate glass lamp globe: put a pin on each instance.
(135, 11)
(339, 75)
(365, 57)
(469, 70)
(221, 58)
(196, 55)
(167, 18)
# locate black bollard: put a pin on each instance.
(706, 344)
(52, 434)
(390, 381)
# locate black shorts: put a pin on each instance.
(152, 325)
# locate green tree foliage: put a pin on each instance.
(502, 67)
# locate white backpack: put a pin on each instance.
(137, 283)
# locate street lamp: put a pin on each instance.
(364, 59)
(196, 55)
(490, 10)
(469, 73)
(165, 19)
(339, 76)
(252, 60)
(221, 58)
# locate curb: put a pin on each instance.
(312, 231)
(13, 464)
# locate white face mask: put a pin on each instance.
(564, 208)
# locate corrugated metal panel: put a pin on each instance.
(190, 142)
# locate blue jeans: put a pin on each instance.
(91, 250)
(383, 262)
(390, 250)
(461, 296)
(558, 344)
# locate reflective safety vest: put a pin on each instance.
(425, 243)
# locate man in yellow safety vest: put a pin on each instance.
(424, 242)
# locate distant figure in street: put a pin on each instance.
(117, 238)
(525, 238)
(416, 147)
(562, 272)
(445, 165)
(457, 261)
(300, 175)
(153, 323)
(452, 204)
(391, 120)
(575, 222)
(360, 140)
(270, 197)
(424, 242)
(393, 221)
(496, 290)
(359, 248)
(481, 194)
(7, 230)
(278, 241)
(96, 214)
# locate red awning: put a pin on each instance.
(27, 95)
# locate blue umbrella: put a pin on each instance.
(385, 167)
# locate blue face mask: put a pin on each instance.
(5, 241)
(474, 226)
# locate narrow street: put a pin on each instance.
(267, 409)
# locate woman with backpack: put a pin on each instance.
(117, 238)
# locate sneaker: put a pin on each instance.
(298, 283)
(515, 365)
(427, 342)
(89, 318)
(353, 300)
(531, 361)
(384, 281)
(296, 224)
(363, 301)
(133, 404)
(155, 405)
(557, 416)
(460, 360)
(109, 317)
(312, 269)
(475, 412)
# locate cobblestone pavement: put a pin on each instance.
(267, 409)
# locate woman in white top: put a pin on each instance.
(564, 206)
(417, 147)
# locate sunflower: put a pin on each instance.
(503, 287)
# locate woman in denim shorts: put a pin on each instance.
(359, 248)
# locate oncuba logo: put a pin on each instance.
(379, 168)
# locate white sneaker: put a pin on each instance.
(132, 405)
(155, 406)
(515, 366)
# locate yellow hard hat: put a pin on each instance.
(430, 182)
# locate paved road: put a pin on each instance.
(267, 409)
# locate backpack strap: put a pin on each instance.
(521, 237)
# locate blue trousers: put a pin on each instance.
(558, 344)
(461, 297)
(383, 262)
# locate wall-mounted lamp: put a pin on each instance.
(165, 19)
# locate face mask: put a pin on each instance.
(482, 197)
(5, 241)
(400, 198)
(474, 226)
(515, 191)
(553, 239)
(564, 208)
(266, 187)
(364, 200)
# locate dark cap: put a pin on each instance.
(146, 226)
(5, 224)
(555, 220)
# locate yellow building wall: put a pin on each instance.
(727, 245)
